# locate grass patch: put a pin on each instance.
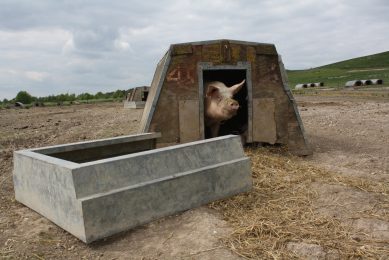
(361, 92)
(337, 74)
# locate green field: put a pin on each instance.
(337, 74)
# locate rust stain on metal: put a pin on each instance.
(225, 51)
(211, 53)
(182, 49)
(266, 49)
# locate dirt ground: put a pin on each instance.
(349, 135)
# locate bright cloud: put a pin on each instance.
(36, 75)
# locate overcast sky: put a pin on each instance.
(58, 46)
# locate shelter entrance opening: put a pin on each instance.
(238, 124)
(145, 94)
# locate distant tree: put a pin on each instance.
(109, 94)
(119, 94)
(85, 96)
(51, 98)
(65, 97)
(72, 97)
(99, 95)
(24, 97)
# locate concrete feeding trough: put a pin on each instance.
(268, 112)
(98, 188)
(136, 97)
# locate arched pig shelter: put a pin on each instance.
(300, 86)
(267, 114)
(136, 97)
(377, 81)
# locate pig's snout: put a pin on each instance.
(234, 105)
(231, 108)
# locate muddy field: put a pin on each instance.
(350, 139)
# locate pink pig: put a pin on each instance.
(219, 104)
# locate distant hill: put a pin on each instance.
(374, 66)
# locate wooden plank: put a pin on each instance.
(153, 97)
(189, 120)
(264, 123)
(181, 49)
(266, 49)
(225, 51)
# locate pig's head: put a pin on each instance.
(219, 102)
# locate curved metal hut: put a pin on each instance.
(353, 83)
(136, 97)
(366, 82)
(377, 81)
(300, 86)
(267, 113)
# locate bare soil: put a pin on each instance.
(349, 135)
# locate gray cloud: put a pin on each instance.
(49, 47)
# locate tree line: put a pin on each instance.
(26, 98)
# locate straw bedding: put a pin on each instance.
(280, 211)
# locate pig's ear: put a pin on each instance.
(213, 91)
(235, 88)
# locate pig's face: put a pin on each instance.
(219, 102)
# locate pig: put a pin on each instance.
(219, 104)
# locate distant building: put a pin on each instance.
(306, 85)
(366, 82)
(137, 97)
(301, 86)
(353, 83)
(363, 82)
(377, 81)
